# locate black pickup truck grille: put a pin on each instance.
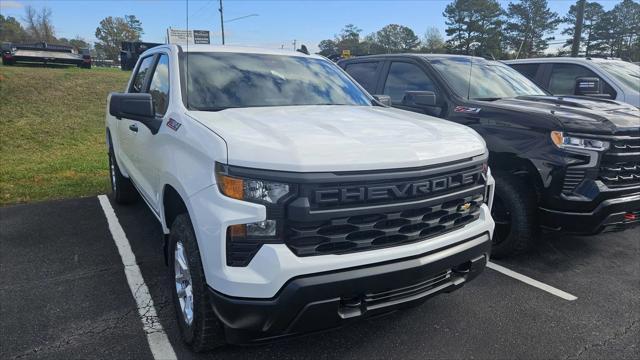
(382, 229)
(620, 173)
(620, 166)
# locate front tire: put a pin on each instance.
(122, 190)
(514, 212)
(199, 325)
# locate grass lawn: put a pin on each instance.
(52, 142)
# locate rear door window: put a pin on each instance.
(528, 70)
(404, 77)
(365, 73)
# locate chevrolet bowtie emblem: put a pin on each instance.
(464, 207)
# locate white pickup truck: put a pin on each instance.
(293, 201)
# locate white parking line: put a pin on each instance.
(532, 282)
(157, 338)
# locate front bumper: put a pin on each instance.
(608, 216)
(316, 302)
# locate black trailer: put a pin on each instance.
(130, 52)
(45, 53)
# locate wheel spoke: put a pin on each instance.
(184, 289)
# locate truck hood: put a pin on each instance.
(577, 113)
(338, 138)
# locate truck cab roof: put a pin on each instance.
(232, 49)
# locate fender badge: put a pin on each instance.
(173, 125)
(467, 110)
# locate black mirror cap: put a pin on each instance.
(134, 106)
(588, 86)
(383, 99)
(419, 98)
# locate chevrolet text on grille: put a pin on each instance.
(352, 194)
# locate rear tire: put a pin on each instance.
(122, 190)
(199, 326)
(514, 211)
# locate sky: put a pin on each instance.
(272, 24)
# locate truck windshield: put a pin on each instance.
(482, 79)
(217, 81)
(625, 72)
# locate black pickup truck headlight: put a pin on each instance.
(565, 141)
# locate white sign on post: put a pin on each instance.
(191, 37)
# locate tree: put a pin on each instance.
(347, 39)
(593, 13)
(11, 30)
(328, 47)
(616, 34)
(474, 26)
(39, 26)
(395, 38)
(530, 21)
(111, 32)
(134, 24)
(433, 41)
(78, 43)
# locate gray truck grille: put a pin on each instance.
(383, 229)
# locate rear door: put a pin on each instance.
(533, 71)
(366, 73)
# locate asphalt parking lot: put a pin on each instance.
(64, 294)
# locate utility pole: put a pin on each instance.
(294, 44)
(577, 31)
(221, 21)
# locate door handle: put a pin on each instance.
(133, 127)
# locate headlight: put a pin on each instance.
(257, 191)
(571, 142)
(264, 192)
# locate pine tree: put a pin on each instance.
(530, 21)
(593, 13)
(474, 26)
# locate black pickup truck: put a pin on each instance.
(569, 163)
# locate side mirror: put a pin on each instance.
(383, 99)
(588, 86)
(419, 98)
(132, 106)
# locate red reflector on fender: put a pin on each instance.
(630, 216)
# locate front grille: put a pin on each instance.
(620, 165)
(240, 253)
(572, 178)
(383, 229)
(626, 173)
(384, 298)
(625, 145)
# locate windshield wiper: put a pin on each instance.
(212, 108)
(487, 99)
